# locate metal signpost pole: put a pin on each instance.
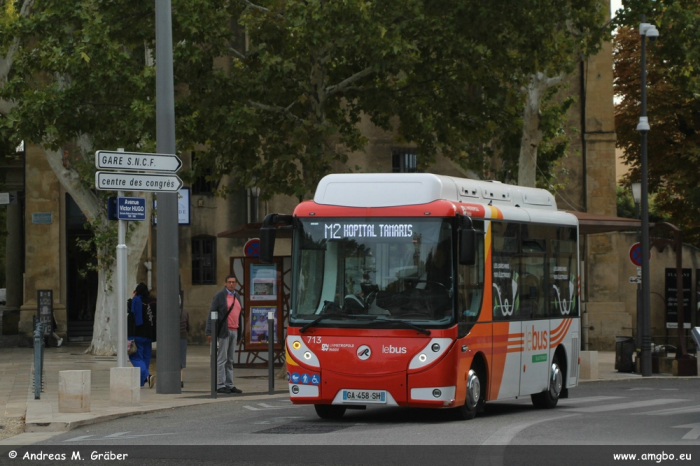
(168, 265)
(121, 289)
(214, 316)
(271, 352)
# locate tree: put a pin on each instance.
(673, 90)
(447, 76)
(71, 84)
(273, 92)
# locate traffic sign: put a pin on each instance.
(635, 279)
(636, 254)
(114, 181)
(252, 248)
(131, 208)
(137, 161)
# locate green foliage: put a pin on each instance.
(625, 203)
(627, 209)
(673, 106)
(273, 92)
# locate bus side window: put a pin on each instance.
(471, 283)
(505, 270)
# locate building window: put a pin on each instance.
(201, 184)
(204, 260)
(404, 160)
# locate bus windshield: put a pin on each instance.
(373, 272)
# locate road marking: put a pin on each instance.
(77, 439)
(117, 435)
(694, 433)
(638, 389)
(672, 411)
(587, 399)
(505, 435)
(266, 406)
(120, 435)
(278, 420)
(621, 406)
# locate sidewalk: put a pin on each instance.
(42, 419)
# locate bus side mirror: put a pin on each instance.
(267, 244)
(467, 246)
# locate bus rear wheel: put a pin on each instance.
(549, 398)
(474, 401)
(329, 411)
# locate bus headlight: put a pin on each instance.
(301, 352)
(435, 348)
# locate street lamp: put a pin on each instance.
(637, 196)
(646, 30)
(253, 204)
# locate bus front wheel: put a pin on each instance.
(549, 398)
(329, 411)
(474, 401)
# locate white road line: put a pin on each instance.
(588, 399)
(694, 433)
(621, 406)
(77, 439)
(672, 411)
(505, 435)
(266, 407)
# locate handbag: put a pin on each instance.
(130, 347)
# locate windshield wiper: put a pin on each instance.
(422, 330)
(324, 316)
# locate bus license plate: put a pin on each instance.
(364, 396)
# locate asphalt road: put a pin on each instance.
(658, 420)
(637, 412)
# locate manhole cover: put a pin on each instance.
(304, 429)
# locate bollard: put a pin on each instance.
(271, 352)
(38, 358)
(214, 338)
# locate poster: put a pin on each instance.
(258, 323)
(672, 298)
(263, 282)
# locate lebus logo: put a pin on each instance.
(364, 352)
(536, 340)
(394, 349)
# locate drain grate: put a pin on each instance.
(304, 429)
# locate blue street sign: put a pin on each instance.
(131, 208)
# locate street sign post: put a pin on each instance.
(115, 181)
(136, 161)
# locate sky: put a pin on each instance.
(614, 6)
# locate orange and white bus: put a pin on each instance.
(429, 291)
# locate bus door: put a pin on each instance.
(535, 324)
(507, 328)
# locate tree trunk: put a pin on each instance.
(105, 330)
(532, 134)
